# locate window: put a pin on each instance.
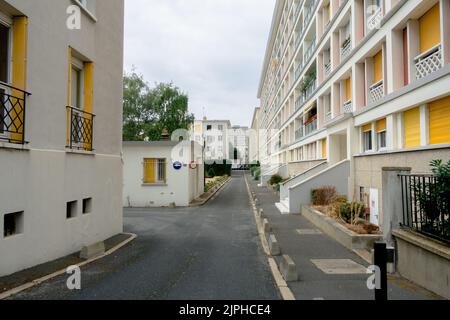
(220, 138)
(154, 171)
(71, 209)
(4, 52)
(210, 139)
(367, 137)
(209, 127)
(220, 127)
(381, 134)
(87, 205)
(12, 224)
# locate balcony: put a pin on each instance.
(327, 68)
(311, 125)
(308, 14)
(373, 22)
(12, 114)
(376, 91)
(346, 48)
(347, 107)
(328, 116)
(298, 71)
(429, 62)
(299, 133)
(81, 129)
(299, 102)
(310, 51)
(310, 88)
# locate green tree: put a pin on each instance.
(148, 111)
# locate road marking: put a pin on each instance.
(308, 232)
(285, 291)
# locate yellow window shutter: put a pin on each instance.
(324, 148)
(430, 29)
(412, 127)
(149, 170)
(440, 121)
(19, 69)
(378, 67)
(367, 127)
(381, 125)
(348, 84)
(89, 87)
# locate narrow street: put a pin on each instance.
(210, 252)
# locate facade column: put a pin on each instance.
(394, 53)
(445, 30)
(358, 87)
(424, 125)
(413, 47)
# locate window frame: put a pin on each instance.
(366, 134)
(160, 170)
(7, 22)
(379, 135)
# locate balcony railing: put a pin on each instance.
(310, 89)
(299, 133)
(328, 116)
(346, 48)
(373, 22)
(347, 107)
(81, 132)
(310, 51)
(426, 205)
(12, 114)
(311, 126)
(298, 71)
(376, 91)
(327, 68)
(299, 102)
(308, 13)
(428, 62)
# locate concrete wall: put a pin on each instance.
(423, 261)
(181, 186)
(368, 169)
(41, 179)
(336, 175)
(296, 168)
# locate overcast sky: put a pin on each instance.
(211, 49)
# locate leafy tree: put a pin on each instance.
(147, 112)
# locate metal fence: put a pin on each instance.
(426, 205)
(12, 113)
(81, 129)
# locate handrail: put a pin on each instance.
(4, 84)
(80, 110)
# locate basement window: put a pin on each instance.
(12, 224)
(87, 205)
(71, 209)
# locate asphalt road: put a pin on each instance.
(210, 252)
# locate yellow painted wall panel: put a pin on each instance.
(324, 148)
(348, 84)
(440, 121)
(412, 128)
(149, 170)
(378, 66)
(430, 29)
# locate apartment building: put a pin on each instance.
(361, 83)
(60, 128)
(213, 135)
(254, 136)
(239, 138)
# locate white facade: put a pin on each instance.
(176, 187)
(57, 196)
(213, 135)
(238, 138)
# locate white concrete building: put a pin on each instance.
(60, 129)
(238, 140)
(153, 179)
(254, 137)
(213, 135)
(350, 87)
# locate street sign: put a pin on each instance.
(177, 165)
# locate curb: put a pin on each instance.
(282, 286)
(43, 279)
(211, 195)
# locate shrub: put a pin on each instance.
(257, 174)
(275, 179)
(323, 196)
(352, 212)
(210, 173)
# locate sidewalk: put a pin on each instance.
(310, 249)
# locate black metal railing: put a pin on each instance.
(12, 113)
(426, 205)
(81, 129)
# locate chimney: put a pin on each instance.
(165, 135)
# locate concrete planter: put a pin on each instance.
(338, 232)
